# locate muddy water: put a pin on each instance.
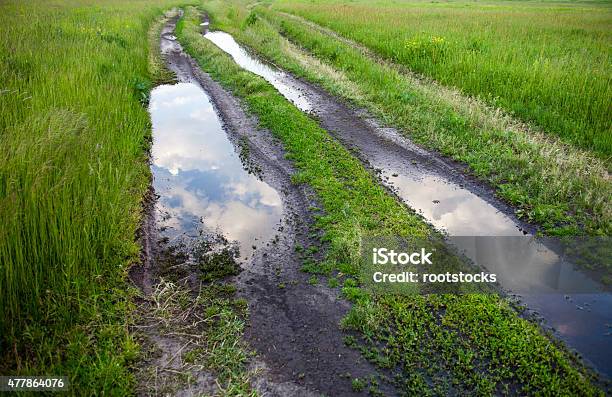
(199, 177)
(567, 300)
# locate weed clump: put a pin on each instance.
(250, 20)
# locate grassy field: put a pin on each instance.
(74, 128)
(74, 135)
(470, 352)
(546, 62)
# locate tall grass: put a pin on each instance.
(73, 170)
(546, 62)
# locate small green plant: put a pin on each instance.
(142, 90)
(299, 178)
(113, 38)
(217, 258)
(358, 384)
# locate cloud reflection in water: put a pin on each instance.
(199, 176)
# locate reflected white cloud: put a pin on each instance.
(198, 174)
(448, 207)
(266, 195)
(188, 137)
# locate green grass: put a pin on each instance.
(225, 353)
(546, 62)
(563, 189)
(433, 342)
(73, 170)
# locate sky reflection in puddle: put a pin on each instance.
(199, 176)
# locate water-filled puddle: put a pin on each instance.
(274, 76)
(449, 207)
(566, 298)
(199, 176)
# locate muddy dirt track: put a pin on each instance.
(451, 200)
(293, 326)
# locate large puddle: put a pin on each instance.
(202, 184)
(569, 301)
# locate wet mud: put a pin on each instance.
(293, 326)
(465, 209)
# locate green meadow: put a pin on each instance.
(545, 62)
(563, 189)
(420, 337)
